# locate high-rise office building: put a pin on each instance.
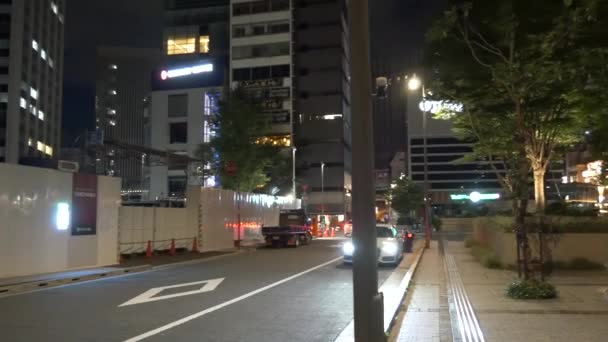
(322, 86)
(122, 85)
(186, 90)
(261, 61)
(31, 78)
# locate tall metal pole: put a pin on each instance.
(368, 303)
(427, 200)
(293, 175)
(323, 192)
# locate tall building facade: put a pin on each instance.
(449, 176)
(261, 61)
(186, 89)
(31, 78)
(122, 83)
(322, 106)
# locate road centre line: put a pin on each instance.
(227, 303)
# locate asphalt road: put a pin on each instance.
(302, 294)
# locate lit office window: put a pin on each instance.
(40, 146)
(23, 103)
(112, 92)
(54, 7)
(203, 42)
(34, 44)
(281, 141)
(111, 111)
(30, 142)
(51, 63)
(34, 93)
(112, 66)
(41, 115)
(112, 122)
(43, 54)
(48, 150)
(179, 46)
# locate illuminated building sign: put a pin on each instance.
(437, 106)
(181, 72)
(474, 197)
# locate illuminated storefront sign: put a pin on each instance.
(474, 197)
(193, 70)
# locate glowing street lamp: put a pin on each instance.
(414, 83)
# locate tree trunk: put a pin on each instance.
(539, 189)
(523, 245)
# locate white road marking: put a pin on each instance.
(222, 305)
(148, 296)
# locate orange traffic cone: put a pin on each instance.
(333, 232)
(194, 246)
(325, 233)
(149, 249)
(172, 249)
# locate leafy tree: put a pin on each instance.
(238, 127)
(406, 196)
(520, 69)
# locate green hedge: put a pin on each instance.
(555, 224)
(531, 289)
(484, 255)
(582, 264)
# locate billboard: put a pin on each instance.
(84, 204)
(383, 179)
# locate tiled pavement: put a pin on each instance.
(426, 315)
(579, 314)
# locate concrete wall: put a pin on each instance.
(211, 216)
(138, 225)
(218, 219)
(591, 246)
(30, 242)
(456, 224)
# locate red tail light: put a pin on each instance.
(410, 235)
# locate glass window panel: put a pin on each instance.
(179, 46)
(203, 42)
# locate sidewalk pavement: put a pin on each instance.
(425, 313)
(13, 285)
(579, 314)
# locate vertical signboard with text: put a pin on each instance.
(84, 204)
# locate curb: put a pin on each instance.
(10, 290)
(390, 314)
(402, 290)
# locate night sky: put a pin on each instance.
(89, 24)
(398, 30)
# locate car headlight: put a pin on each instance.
(348, 248)
(389, 248)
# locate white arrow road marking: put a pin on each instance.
(224, 304)
(148, 296)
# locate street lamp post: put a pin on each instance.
(293, 175)
(323, 192)
(415, 83)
